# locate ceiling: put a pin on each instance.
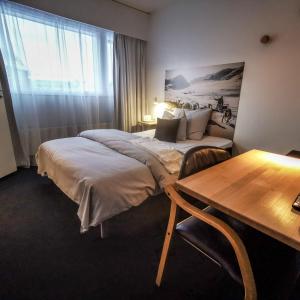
(147, 6)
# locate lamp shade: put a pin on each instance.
(159, 108)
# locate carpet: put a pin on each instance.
(44, 256)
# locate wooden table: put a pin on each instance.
(257, 188)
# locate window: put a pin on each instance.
(60, 74)
(60, 57)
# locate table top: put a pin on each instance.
(257, 188)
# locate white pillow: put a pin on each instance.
(178, 114)
(196, 123)
(167, 115)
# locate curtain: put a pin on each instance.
(19, 155)
(60, 74)
(129, 81)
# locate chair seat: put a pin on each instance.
(263, 252)
(212, 242)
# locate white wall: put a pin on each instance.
(195, 33)
(103, 13)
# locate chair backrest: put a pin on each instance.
(200, 158)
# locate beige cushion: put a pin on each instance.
(196, 123)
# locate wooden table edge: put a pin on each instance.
(270, 232)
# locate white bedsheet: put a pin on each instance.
(102, 172)
(106, 173)
(166, 153)
(171, 154)
(207, 140)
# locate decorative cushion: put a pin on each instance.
(166, 130)
(178, 114)
(196, 123)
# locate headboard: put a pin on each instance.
(217, 87)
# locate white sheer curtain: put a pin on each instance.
(60, 74)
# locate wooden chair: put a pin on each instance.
(209, 231)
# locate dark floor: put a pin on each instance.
(43, 255)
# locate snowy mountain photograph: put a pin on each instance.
(217, 87)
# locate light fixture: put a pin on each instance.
(159, 108)
(266, 39)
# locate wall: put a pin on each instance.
(103, 13)
(198, 33)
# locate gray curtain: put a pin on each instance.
(129, 81)
(18, 150)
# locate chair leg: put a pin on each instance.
(101, 227)
(166, 246)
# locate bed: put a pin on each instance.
(107, 171)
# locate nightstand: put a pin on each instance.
(146, 125)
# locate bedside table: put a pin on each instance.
(146, 125)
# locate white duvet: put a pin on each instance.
(167, 154)
(171, 154)
(108, 171)
(102, 172)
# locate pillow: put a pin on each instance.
(166, 130)
(181, 133)
(178, 114)
(167, 115)
(196, 123)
